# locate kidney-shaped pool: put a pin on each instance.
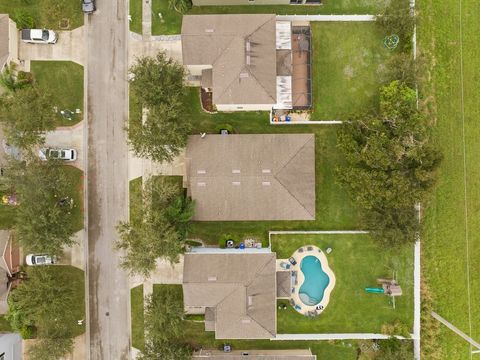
(316, 281)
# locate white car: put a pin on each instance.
(39, 36)
(34, 260)
(58, 154)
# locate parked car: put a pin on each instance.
(34, 260)
(88, 6)
(39, 36)
(58, 154)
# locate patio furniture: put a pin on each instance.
(309, 248)
(285, 265)
(298, 307)
(300, 250)
(292, 261)
(329, 250)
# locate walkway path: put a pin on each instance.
(146, 19)
(327, 17)
(337, 336)
(456, 330)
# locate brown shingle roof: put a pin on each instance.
(242, 52)
(241, 288)
(252, 177)
(255, 355)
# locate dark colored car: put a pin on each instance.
(88, 6)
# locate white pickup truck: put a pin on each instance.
(39, 36)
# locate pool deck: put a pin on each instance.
(309, 310)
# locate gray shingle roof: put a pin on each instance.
(252, 177)
(241, 288)
(242, 52)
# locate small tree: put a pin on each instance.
(390, 164)
(161, 232)
(12, 80)
(404, 68)
(44, 222)
(398, 19)
(27, 115)
(180, 6)
(163, 326)
(44, 301)
(395, 349)
(158, 85)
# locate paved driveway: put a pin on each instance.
(68, 137)
(139, 48)
(69, 47)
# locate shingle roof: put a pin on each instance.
(241, 50)
(241, 288)
(255, 355)
(252, 177)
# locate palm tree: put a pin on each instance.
(11, 79)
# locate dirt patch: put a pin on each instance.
(207, 100)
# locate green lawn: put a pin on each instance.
(46, 13)
(4, 325)
(452, 219)
(173, 20)
(136, 15)
(357, 262)
(334, 209)
(77, 277)
(76, 180)
(63, 80)
(7, 215)
(136, 300)
(347, 59)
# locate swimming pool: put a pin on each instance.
(316, 281)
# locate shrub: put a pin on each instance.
(397, 19)
(23, 19)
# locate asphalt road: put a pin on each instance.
(107, 175)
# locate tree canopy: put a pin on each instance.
(161, 227)
(163, 325)
(398, 19)
(45, 302)
(157, 85)
(44, 221)
(390, 164)
(27, 114)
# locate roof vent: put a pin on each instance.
(245, 321)
(243, 75)
(209, 30)
(248, 60)
(212, 278)
(266, 171)
(266, 183)
(236, 183)
(235, 171)
(201, 171)
(201, 184)
(248, 45)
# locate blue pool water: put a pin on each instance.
(316, 281)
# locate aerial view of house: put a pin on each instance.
(239, 179)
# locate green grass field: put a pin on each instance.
(135, 11)
(63, 80)
(136, 299)
(75, 177)
(347, 63)
(357, 262)
(173, 20)
(452, 219)
(46, 13)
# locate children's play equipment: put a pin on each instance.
(391, 42)
(389, 287)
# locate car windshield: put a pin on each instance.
(45, 35)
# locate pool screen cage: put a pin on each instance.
(302, 67)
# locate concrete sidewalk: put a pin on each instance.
(69, 47)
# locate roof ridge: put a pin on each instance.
(285, 165)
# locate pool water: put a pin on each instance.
(316, 281)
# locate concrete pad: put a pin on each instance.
(68, 137)
(75, 255)
(139, 48)
(69, 47)
(165, 273)
(144, 167)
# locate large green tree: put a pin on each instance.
(45, 301)
(390, 163)
(157, 85)
(27, 114)
(159, 231)
(398, 19)
(163, 325)
(44, 221)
